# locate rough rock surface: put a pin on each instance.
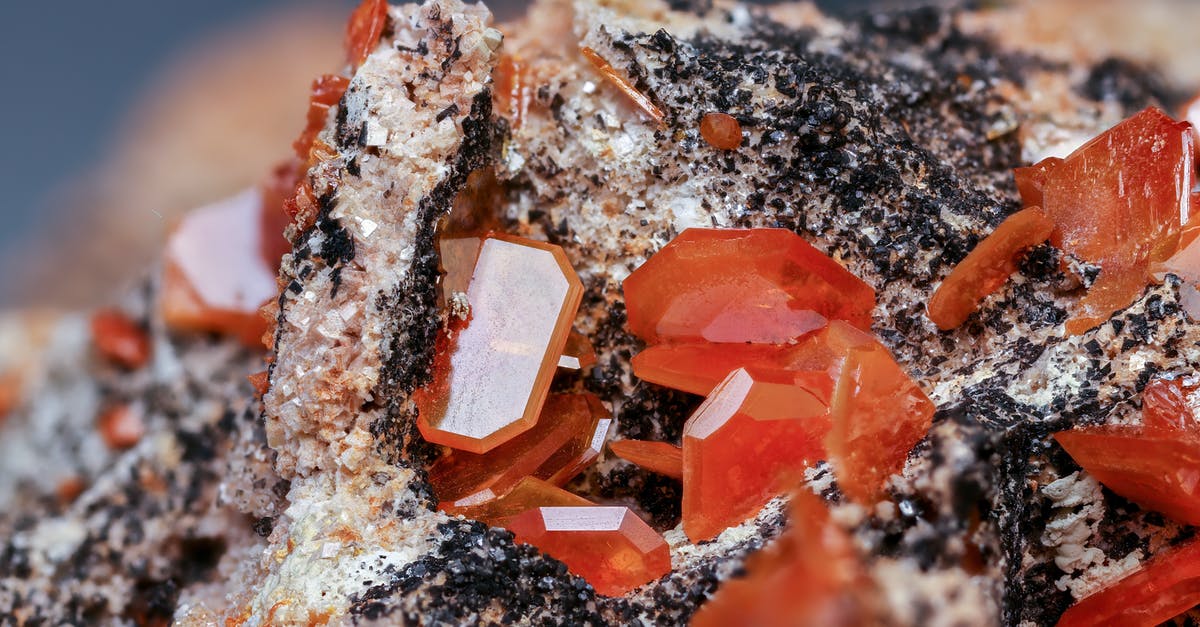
(887, 142)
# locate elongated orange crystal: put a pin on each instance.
(1160, 589)
(214, 275)
(610, 547)
(554, 448)
(987, 267)
(747, 443)
(1119, 202)
(581, 450)
(527, 494)
(810, 576)
(490, 384)
(699, 367)
(729, 285)
(661, 457)
(1158, 468)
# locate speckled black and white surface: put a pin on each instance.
(887, 142)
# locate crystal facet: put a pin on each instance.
(758, 285)
(1158, 468)
(878, 413)
(214, 275)
(119, 340)
(1119, 202)
(1165, 404)
(496, 510)
(610, 547)
(747, 443)
(699, 367)
(582, 449)
(809, 576)
(554, 448)
(490, 384)
(660, 457)
(578, 354)
(987, 267)
(364, 30)
(1162, 588)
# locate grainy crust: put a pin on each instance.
(886, 142)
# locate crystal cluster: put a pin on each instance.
(1120, 203)
(513, 445)
(775, 334)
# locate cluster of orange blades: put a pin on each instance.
(1123, 203)
(772, 332)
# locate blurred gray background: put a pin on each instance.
(72, 73)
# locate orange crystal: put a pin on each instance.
(578, 353)
(327, 92)
(214, 277)
(721, 131)
(530, 492)
(364, 30)
(879, 414)
(698, 368)
(119, 340)
(660, 457)
(490, 384)
(1158, 468)
(987, 267)
(747, 443)
(1119, 202)
(553, 448)
(1160, 589)
(730, 285)
(120, 427)
(810, 576)
(1165, 404)
(581, 450)
(610, 547)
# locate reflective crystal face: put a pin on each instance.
(660, 457)
(756, 285)
(610, 547)
(496, 509)
(215, 276)
(490, 383)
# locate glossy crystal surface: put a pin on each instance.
(1162, 588)
(214, 275)
(660, 457)
(729, 285)
(747, 443)
(698, 367)
(578, 353)
(808, 577)
(496, 510)
(1156, 467)
(119, 339)
(987, 267)
(490, 383)
(554, 448)
(1119, 202)
(610, 547)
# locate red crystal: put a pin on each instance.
(698, 368)
(879, 414)
(327, 91)
(557, 448)
(497, 510)
(1165, 404)
(1156, 467)
(578, 353)
(610, 547)
(1119, 202)
(490, 383)
(810, 576)
(757, 285)
(987, 267)
(660, 457)
(747, 443)
(119, 340)
(364, 30)
(120, 427)
(721, 131)
(1162, 588)
(214, 276)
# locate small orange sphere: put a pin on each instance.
(721, 130)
